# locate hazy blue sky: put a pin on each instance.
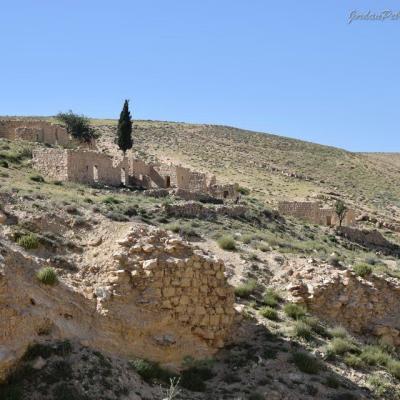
(294, 68)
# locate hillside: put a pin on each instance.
(271, 307)
(273, 167)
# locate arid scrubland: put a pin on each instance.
(123, 293)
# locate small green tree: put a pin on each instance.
(78, 126)
(124, 131)
(340, 210)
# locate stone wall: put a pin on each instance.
(364, 306)
(312, 212)
(192, 209)
(151, 296)
(35, 131)
(186, 284)
(192, 180)
(51, 162)
(369, 238)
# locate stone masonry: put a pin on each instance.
(35, 131)
(369, 305)
(314, 213)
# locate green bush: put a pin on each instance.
(294, 311)
(338, 332)
(244, 191)
(362, 269)
(269, 312)
(149, 370)
(47, 275)
(244, 290)
(393, 367)
(37, 178)
(227, 242)
(353, 361)
(270, 298)
(340, 346)
(78, 126)
(315, 325)
(111, 200)
(302, 330)
(29, 241)
(306, 363)
(375, 355)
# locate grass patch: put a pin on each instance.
(244, 290)
(340, 346)
(362, 269)
(47, 276)
(306, 363)
(227, 242)
(269, 313)
(271, 298)
(37, 178)
(302, 330)
(29, 241)
(354, 361)
(294, 311)
(338, 332)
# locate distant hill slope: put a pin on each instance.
(273, 167)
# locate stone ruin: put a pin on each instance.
(314, 213)
(369, 305)
(92, 167)
(157, 297)
(35, 131)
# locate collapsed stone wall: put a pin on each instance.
(34, 131)
(312, 212)
(156, 298)
(192, 209)
(192, 180)
(364, 236)
(370, 305)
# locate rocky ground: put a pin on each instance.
(310, 322)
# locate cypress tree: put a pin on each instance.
(124, 132)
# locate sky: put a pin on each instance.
(293, 68)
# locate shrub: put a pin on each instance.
(247, 238)
(4, 164)
(375, 355)
(362, 269)
(244, 191)
(315, 325)
(37, 178)
(334, 260)
(244, 290)
(116, 216)
(302, 330)
(269, 312)
(339, 346)
(294, 311)
(338, 332)
(393, 367)
(78, 126)
(47, 275)
(111, 200)
(227, 242)
(354, 361)
(149, 370)
(29, 241)
(271, 298)
(306, 363)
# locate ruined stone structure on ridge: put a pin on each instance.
(35, 131)
(91, 167)
(314, 213)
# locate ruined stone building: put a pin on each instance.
(92, 167)
(35, 131)
(314, 213)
